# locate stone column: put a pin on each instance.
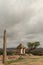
(4, 48)
(24, 50)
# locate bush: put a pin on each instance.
(11, 53)
(36, 53)
(1, 52)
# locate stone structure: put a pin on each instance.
(4, 48)
(21, 49)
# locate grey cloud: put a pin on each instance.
(23, 20)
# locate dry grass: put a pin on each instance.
(28, 60)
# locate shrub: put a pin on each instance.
(11, 53)
(36, 53)
(1, 52)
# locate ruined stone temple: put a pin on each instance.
(20, 49)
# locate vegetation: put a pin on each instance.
(1, 52)
(36, 52)
(32, 45)
(17, 60)
(29, 60)
(8, 52)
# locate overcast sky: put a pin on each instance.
(23, 21)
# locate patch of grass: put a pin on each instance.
(34, 58)
(26, 60)
(12, 61)
(17, 60)
(41, 61)
(9, 62)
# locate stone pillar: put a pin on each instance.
(21, 51)
(4, 48)
(24, 50)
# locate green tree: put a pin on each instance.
(36, 44)
(32, 45)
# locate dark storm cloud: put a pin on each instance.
(23, 20)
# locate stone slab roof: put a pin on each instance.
(20, 46)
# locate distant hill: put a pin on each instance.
(8, 49)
